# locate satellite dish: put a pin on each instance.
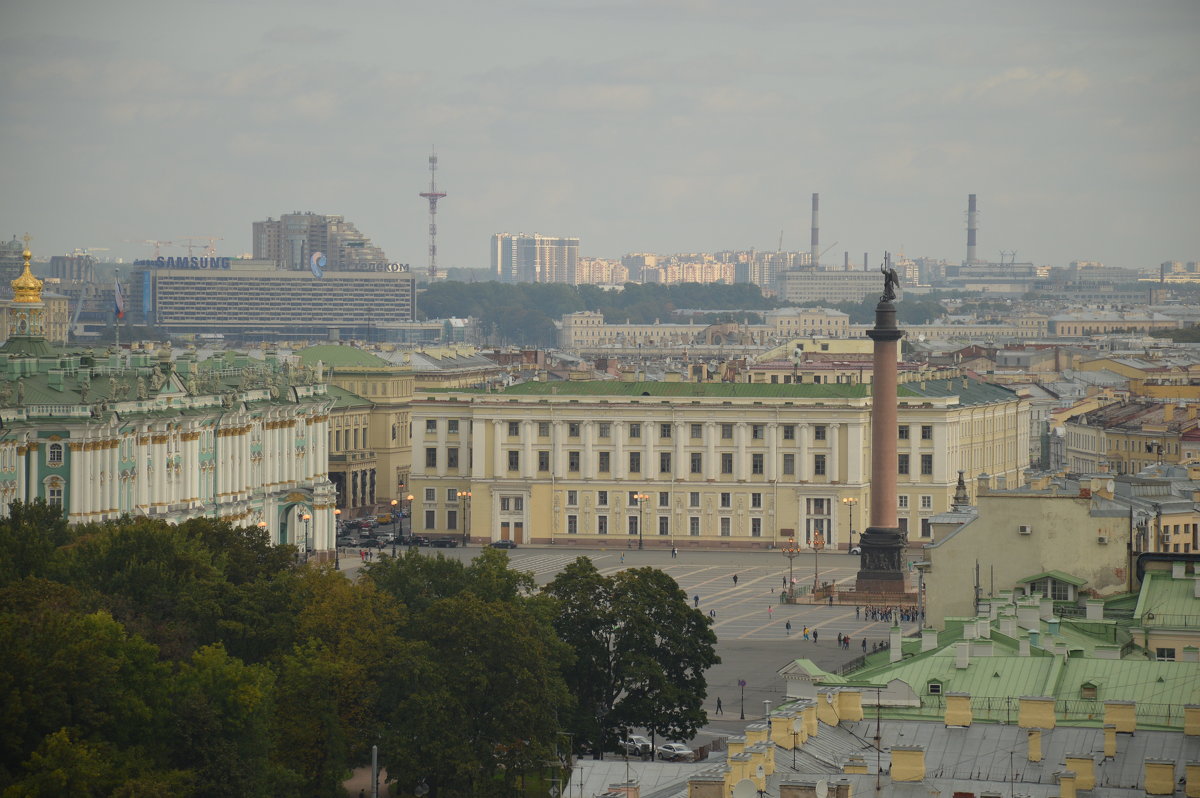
(822, 789)
(745, 789)
(317, 264)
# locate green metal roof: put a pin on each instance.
(345, 356)
(1171, 601)
(343, 398)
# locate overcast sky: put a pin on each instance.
(636, 125)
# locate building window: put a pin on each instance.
(664, 499)
(514, 429)
(54, 455)
(632, 499)
(789, 432)
(572, 498)
(694, 525)
(604, 430)
(452, 519)
(602, 525)
(926, 528)
(514, 460)
(430, 519)
(926, 502)
(573, 429)
(573, 461)
(664, 430)
(664, 462)
(726, 462)
(819, 432)
(543, 429)
(694, 499)
(603, 462)
(727, 432)
(697, 463)
(543, 460)
(818, 522)
(903, 431)
(819, 465)
(756, 464)
(758, 431)
(756, 500)
(726, 499)
(572, 525)
(1088, 691)
(756, 527)
(926, 464)
(664, 525)
(789, 465)
(54, 493)
(431, 425)
(602, 498)
(431, 494)
(452, 426)
(635, 430)
(632, 524)
(452, 457)
(505, 504)
(902, 502)
(935, 688)
(431, 458)
(1164, 654)
(901, 464)
(926, 432)
(697, 431)
(635, 462)
(726, 526)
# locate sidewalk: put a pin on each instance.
(361, 780)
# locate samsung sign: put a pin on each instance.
(186, 263)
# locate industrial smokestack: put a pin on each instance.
(815, 243)
(972, 227)
(846, 261)
(866, 262)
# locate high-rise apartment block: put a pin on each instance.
(292, 241)
(521, 258)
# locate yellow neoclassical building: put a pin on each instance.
(675, 463)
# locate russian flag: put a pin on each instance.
(119, 298)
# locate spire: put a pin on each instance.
(27, 288)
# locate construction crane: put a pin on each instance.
(210, 246)
(158, 245)
(84, 251)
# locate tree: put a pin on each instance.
(641, 653)
(29, 537)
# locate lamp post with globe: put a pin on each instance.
(395, 524)
(791, 551)
(850, 501)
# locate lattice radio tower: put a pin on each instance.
(433, 195)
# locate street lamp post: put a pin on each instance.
(791, 551)
(395, 524)
(850, 501)
(464, 496)
(742, 687)
(818, 543)
(337, 551)
(306, 518)
(409, 500)
(642, 498)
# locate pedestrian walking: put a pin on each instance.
(839, 639)
(719, 710)
(674, 552)
(806, 633)
(785, 581)
(696, 601)
(857, 613)
(846, 642)
(814, 635)
(770, 612)
(830, 599)
(622, 558)
(864, 645)
(712, 614)
(788, 626)
(735, 580)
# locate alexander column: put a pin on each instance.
(883, 541)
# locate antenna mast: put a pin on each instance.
(433, 195)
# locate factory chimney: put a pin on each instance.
(815, 243)
(972, 227)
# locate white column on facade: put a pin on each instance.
(941, 472)
(441, 447)
(478, 455)
(835, 451)
(650, 451)
(679, 464)
(855, 445)
(22, 484)
(804, 467)
(498, 430)
(78, 487)
(619, 465)
(558, 454)
(772, 469)
(741, 459)
(711, 465)
(191, 454)
(112, 457)
(589, 468)
(528, 464)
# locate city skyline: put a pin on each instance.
(651, 127)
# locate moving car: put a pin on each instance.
(674, 751)
(856, 550)
(502, 544)
(635, 745)
(443, 543)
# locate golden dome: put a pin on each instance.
(27, 288)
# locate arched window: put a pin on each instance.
(54, 455)
(54, 491)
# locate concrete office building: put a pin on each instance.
(291, 241)
(521, 258)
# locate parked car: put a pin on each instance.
(635, 745)
(417, 540)
(443, 543)
(502, 544)
(674, 751)
(856, 549)
(371, 543)
(347, 541)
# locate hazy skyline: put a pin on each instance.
(655, 125)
